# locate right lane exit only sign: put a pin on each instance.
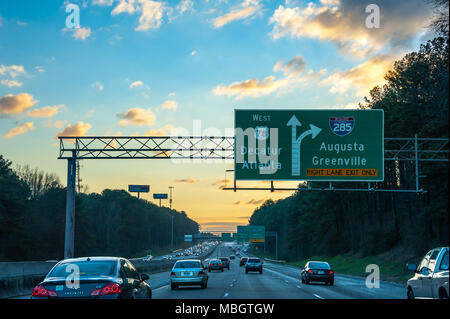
(310, 145)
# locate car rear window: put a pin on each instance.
(188, 264)
(254, 260)
(318, 265)
(86, 269)
(224, 258)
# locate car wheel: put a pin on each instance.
(246, 271)
(307, 281)
(303, 280)
(209, 270)
(260, 271)
(173, 287)
(443, 294)
(331, 282)
(410, 293)
(222, 269)
(149, 296)
(206, 285)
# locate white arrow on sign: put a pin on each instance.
(296, 142)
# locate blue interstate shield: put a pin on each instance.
(342, 126)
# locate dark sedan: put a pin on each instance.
(93, 277)
(215, 264)
(226, 262)
(317, 271)
(243, 261)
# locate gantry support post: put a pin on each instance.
(70, 207)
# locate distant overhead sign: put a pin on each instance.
(253, 234)
(138, 188)
(188, 238)
(159, 196)
(310, 145)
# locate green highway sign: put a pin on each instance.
(253, 234)
(310, 145)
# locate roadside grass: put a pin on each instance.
(392, 264)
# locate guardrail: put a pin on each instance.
(19, 278)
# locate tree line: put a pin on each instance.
(415, 100)
(32, 219)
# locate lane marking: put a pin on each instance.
(318, 296)
(299, 287)
(160, 287)
(226, 295)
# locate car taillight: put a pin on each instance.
(200, 272)
(310, 271)
(246, 264)
(331, 272)
(109, 289)
(172, 273)
(40, 291)
(220, 265)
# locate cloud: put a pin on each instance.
(12, 70)
(99, 86)
(292, 68)
(124, 6)
(21, 129)
(39, 69)
(15, 104)
(47, 111)
(194, 52)
(136, 83)
(362, 77)
(164, 131)
(137, 116)
(170, 105)
(245, 10)
(256, 201)
(11, 83)
(185, 6)
(103, 2)
(151, 16)
(343, 23)
(79, 129)
(81, 33)
(187, 180)
(294, 72)
(55, 124)
(251, 88)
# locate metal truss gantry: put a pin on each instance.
(75, 148)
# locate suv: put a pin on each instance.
(226, 262)
(254, 264)
(431, 276)
(243, 261)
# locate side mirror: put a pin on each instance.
(144, 277)
(411, 267)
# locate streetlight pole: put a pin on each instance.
(171, 242)
(170, 200)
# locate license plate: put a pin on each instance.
(321, 272)
(186, 274)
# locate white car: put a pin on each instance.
(147, 258)
(431, 276)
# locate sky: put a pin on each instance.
(143, 67)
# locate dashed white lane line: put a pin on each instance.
(299, 287)
(160, 287)
(318, 296)
(226, 295)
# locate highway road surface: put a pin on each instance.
(277, 281)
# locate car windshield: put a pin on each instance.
(319, 265)
(254, 260)
(188, 264)
(85, 269)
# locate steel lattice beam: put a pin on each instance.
(217, 147)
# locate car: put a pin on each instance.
(254, 264)
(226, 262)
(215, 264)
(431, 277)
(319, 271)
(147, 258)
(190, 272)
(99, 278)
(243, 261)
(232, 257)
